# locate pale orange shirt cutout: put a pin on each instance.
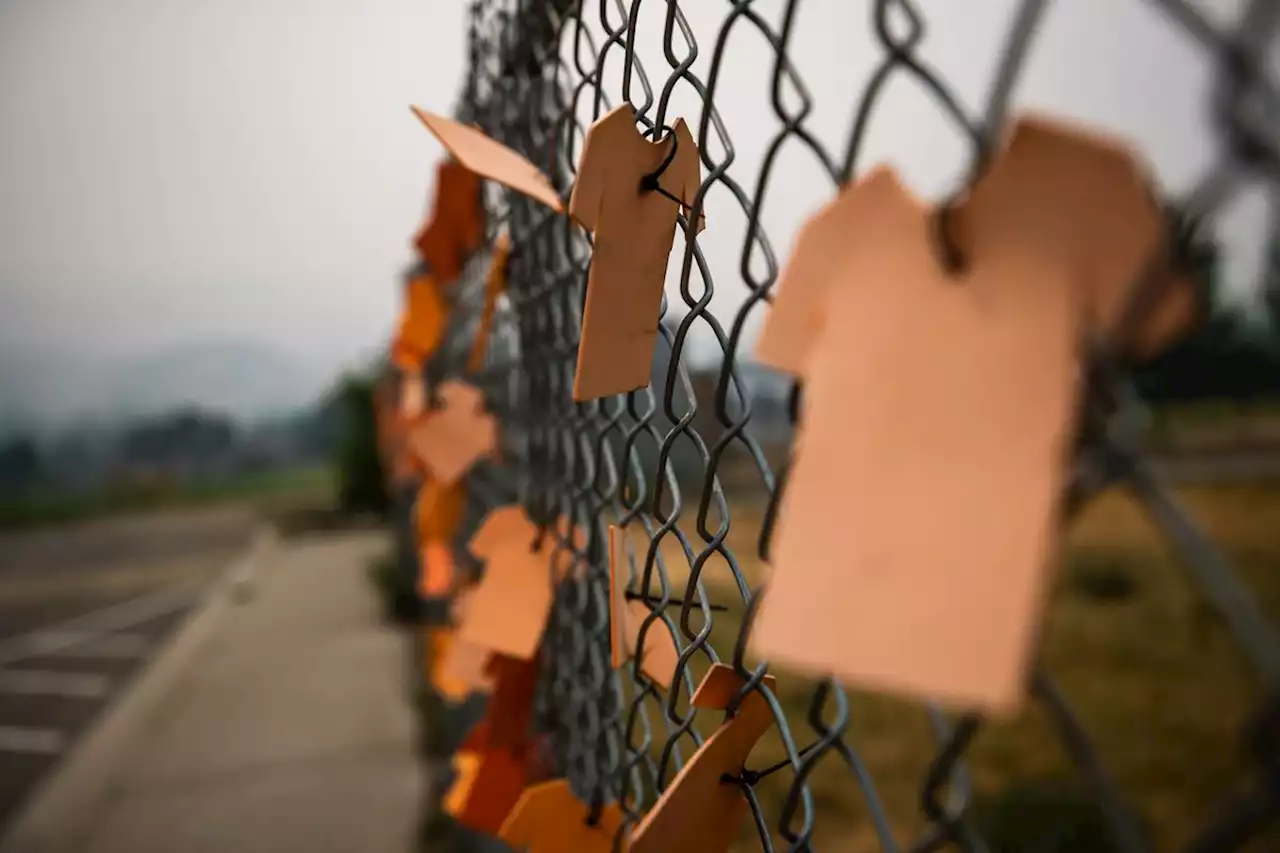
(921, 512)
(413, 396)
(507, 611)
(491, 159)
(1099, 207)
(626, 619)
(463, 669)
(450, 440)
(549, 818)
(633, 235)
(699, 813)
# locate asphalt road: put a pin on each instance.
(82, 609)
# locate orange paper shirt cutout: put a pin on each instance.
(488, 786)
(491, 159)
(507, 611)
(698, 812)
(509, 712)
(456, 226)
(436, 572)
(549, 818)
(966, 452)
(453, 438)
(439, 510)
(413, 396)
(633, 235)
(1097, 206)
(462, 669)
(422, 321)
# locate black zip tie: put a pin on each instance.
(649, 182)
(749, 778)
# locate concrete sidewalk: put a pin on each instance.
(287, 727)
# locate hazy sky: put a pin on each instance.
(190, 169)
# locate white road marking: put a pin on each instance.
(87, 645)
(31, 741)
(109, 620)
(69, 685)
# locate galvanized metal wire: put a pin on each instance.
(536, 68)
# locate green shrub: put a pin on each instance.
(361, 482)
(395, 591)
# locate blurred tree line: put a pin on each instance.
(361, 481)
(21, 466)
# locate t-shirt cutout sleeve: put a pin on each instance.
(797, 317)
(587, 198)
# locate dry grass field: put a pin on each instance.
(1151, 671)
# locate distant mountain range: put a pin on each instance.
(246, 379)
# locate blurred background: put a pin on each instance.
(205, 207)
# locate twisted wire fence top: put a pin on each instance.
(687, 465)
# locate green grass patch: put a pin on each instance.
(313, 483)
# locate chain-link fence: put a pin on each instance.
(692, 467)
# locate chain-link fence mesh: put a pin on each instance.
(692, 466)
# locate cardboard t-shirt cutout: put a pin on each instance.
(436, 569)
(491, 159)
(509, 712)
(507, 611)
(504, 757)
(659, 655)
(422, 321)
(462, 669)
(549, 818)
(487, 787)
(633, 234)
(928, 578)
(453, 438)
(413, 396)
(439, 510)
(698, 812)
(494, 286)
(456, 226)
(1099, 210)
